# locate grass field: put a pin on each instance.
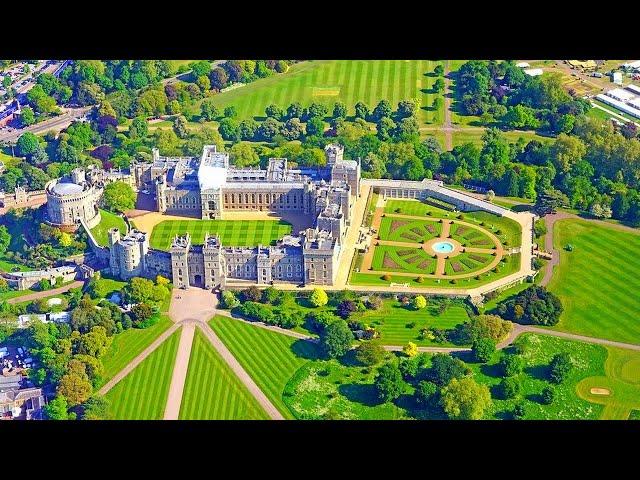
(128, 344)
(259, 351)
(142, 394)
(331, 81)
(598, 282)
(238, 233)
(587, 359)
(510, 231)
(212, 391)
(108, 220)
(399, 325)
(621, 379)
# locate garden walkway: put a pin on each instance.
(440, 267)
(46, 293)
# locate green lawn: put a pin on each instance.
(347, 81)
(621, 379)
(598, 282)
(362, 278)
(258, 350)
(128, 344)
(108, 221)
(14, 294)
(399, 325)
(302, 386)
(239, 233)
(212, 391)
(142, 395)
(338, 390)
(588, 361)
(509, 230)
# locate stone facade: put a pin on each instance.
(68, 202)
(207, 186)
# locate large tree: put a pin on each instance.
(119, 197)
(535, 305)
(389, 383)
(5, 239)
(445, 368)
(336, 339)
(465, 399)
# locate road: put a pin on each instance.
(520, 329)
(180, 367)
(56, 124)
(448, 96)
(46, 293)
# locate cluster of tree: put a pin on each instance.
(39, 247)
(142, 290)
(441, 383)
(119, 197)
(535, 305)
(501, 91)
(234, 71)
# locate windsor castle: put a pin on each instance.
(207, 186)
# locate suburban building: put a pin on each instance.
(18, 401)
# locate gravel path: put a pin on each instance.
(46, 293)
(138, 359)
(174, 399)
(240, 372)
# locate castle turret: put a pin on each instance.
(334, 153)
(180, 260)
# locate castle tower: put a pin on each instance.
(161, 193)
(78, 175)
(334, 153)
(114, 239)
(180, 260)
(213, 262)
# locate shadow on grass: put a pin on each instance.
(363, 394)
(504, 415)
(522, 208)
(536, 398)
(539, 372)
(349, 359)
(305, 349)
(491, 370)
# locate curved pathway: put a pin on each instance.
(45, 293)
(520, 329)
(550, 221)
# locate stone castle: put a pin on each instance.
(206, 187)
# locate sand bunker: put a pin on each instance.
(599, 391)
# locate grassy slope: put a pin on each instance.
(212, 391)
(232, 232)
(399, 325)
(588, 361)
(622, 379)
(142, 394)
(331, 81)
(128, 344)
(597, 282)
(108, 220)
(259, 350)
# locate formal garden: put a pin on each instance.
(428, 244)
